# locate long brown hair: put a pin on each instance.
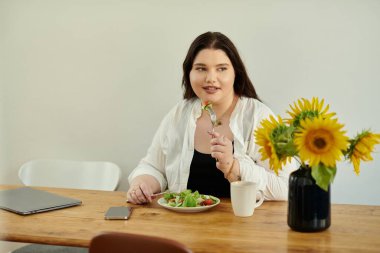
(216, 40)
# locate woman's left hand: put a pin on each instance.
(222, 151)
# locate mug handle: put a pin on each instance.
(261, 200)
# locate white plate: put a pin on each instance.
(162, 202)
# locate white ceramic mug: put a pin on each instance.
(243, 198)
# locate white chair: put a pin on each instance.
(89, 175)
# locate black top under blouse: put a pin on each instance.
(206, 178)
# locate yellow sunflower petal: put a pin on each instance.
(267, 149)
(364, 146)
(321, 140)
(313, 107)
(356, 163)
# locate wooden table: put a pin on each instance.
(354, 228)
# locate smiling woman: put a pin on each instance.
(206, 149)
(212, 77)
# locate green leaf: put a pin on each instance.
(169, 195)
(323, 175)
(184, 193)
(173, 204)
(189, 201)
(196, 195)
(214, 199)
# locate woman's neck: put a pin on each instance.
(224, 109)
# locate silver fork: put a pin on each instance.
(153, 196)
(214, 121)
(159, 193)
(213, 118)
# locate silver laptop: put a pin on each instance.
(28, 200)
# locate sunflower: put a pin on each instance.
(304, 108)
(267, 146)
(361, 148)
(321, 141)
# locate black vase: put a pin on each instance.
(309, 206)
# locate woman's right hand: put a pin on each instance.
(142, 189)
(139, 193)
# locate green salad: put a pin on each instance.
(187, 198)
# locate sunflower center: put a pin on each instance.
(320, 141)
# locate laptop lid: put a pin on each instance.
(27, 200)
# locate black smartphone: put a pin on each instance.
(118, 213)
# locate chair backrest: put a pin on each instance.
(90, 175)
(117, 242)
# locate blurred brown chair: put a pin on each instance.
(117, 242)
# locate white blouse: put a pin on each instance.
(171, 152)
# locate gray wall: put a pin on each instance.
(91, 80)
